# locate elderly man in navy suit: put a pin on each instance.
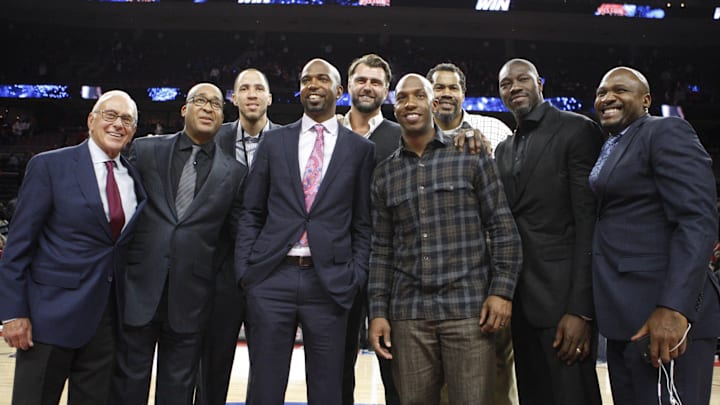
(303, 242)
(656, 225)
(60, 271)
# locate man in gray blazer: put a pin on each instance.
(193, 191)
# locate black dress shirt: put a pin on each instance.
(523, 135)
(203, 161)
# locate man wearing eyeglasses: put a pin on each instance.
(193, 191)
(60, 271)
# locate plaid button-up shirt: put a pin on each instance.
(431, 213)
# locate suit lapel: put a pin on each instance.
(612, 160)
(505, 162)
(539, 141)
(87, 181)
(140, 196)
(163, 155)
(231, 139)
(218, 171)
(290, 142)
(339, 156)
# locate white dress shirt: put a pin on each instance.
(305, 147)
(374, 122)
(126, 184)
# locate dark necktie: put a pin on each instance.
(605, 152)
(186, 186)
(117, 216)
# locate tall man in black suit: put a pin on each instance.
(656, 225)
(303, 242)
(368, 85)
(238, 139)
(544, 168)
(60, 272)
(193, 191)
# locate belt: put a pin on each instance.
(304, 262)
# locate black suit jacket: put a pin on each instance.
(386, 138)
(554, 209)
(657, 221)
(338, 224)
(181, 252)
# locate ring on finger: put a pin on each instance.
(578, 350)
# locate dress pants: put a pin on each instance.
(428, 353)
(220, 340)
(356, 317)
(41, 371)
(289, 296)
(178, 355)
(542, 378)
(633, 381)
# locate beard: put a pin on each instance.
(448, 117)
(366, 107)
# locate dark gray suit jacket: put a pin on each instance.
(386, 138)
(183, 252)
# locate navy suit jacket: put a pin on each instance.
(182, 252)
(656, 225)
(61, 259)
(338, 224)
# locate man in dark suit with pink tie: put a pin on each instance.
(303, 242)
(60, 273)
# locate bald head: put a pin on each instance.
(518, 61)
(636, 73)
(622, 97)
(332, 70)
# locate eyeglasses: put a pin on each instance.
(110, 116)
(200, 101)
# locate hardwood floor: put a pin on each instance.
(369, 390)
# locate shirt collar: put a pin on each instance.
(331, 125)
(98, 155)
(240, 131)
(440, 140)
(454, 130)
(537, 113)
(184, 143)
(374, 122)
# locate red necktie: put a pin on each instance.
(313, 174)
(117, 216)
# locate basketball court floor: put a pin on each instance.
(369, 390)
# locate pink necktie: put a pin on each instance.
(313, 174)
(117, 216)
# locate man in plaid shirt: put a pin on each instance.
(432, 277)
